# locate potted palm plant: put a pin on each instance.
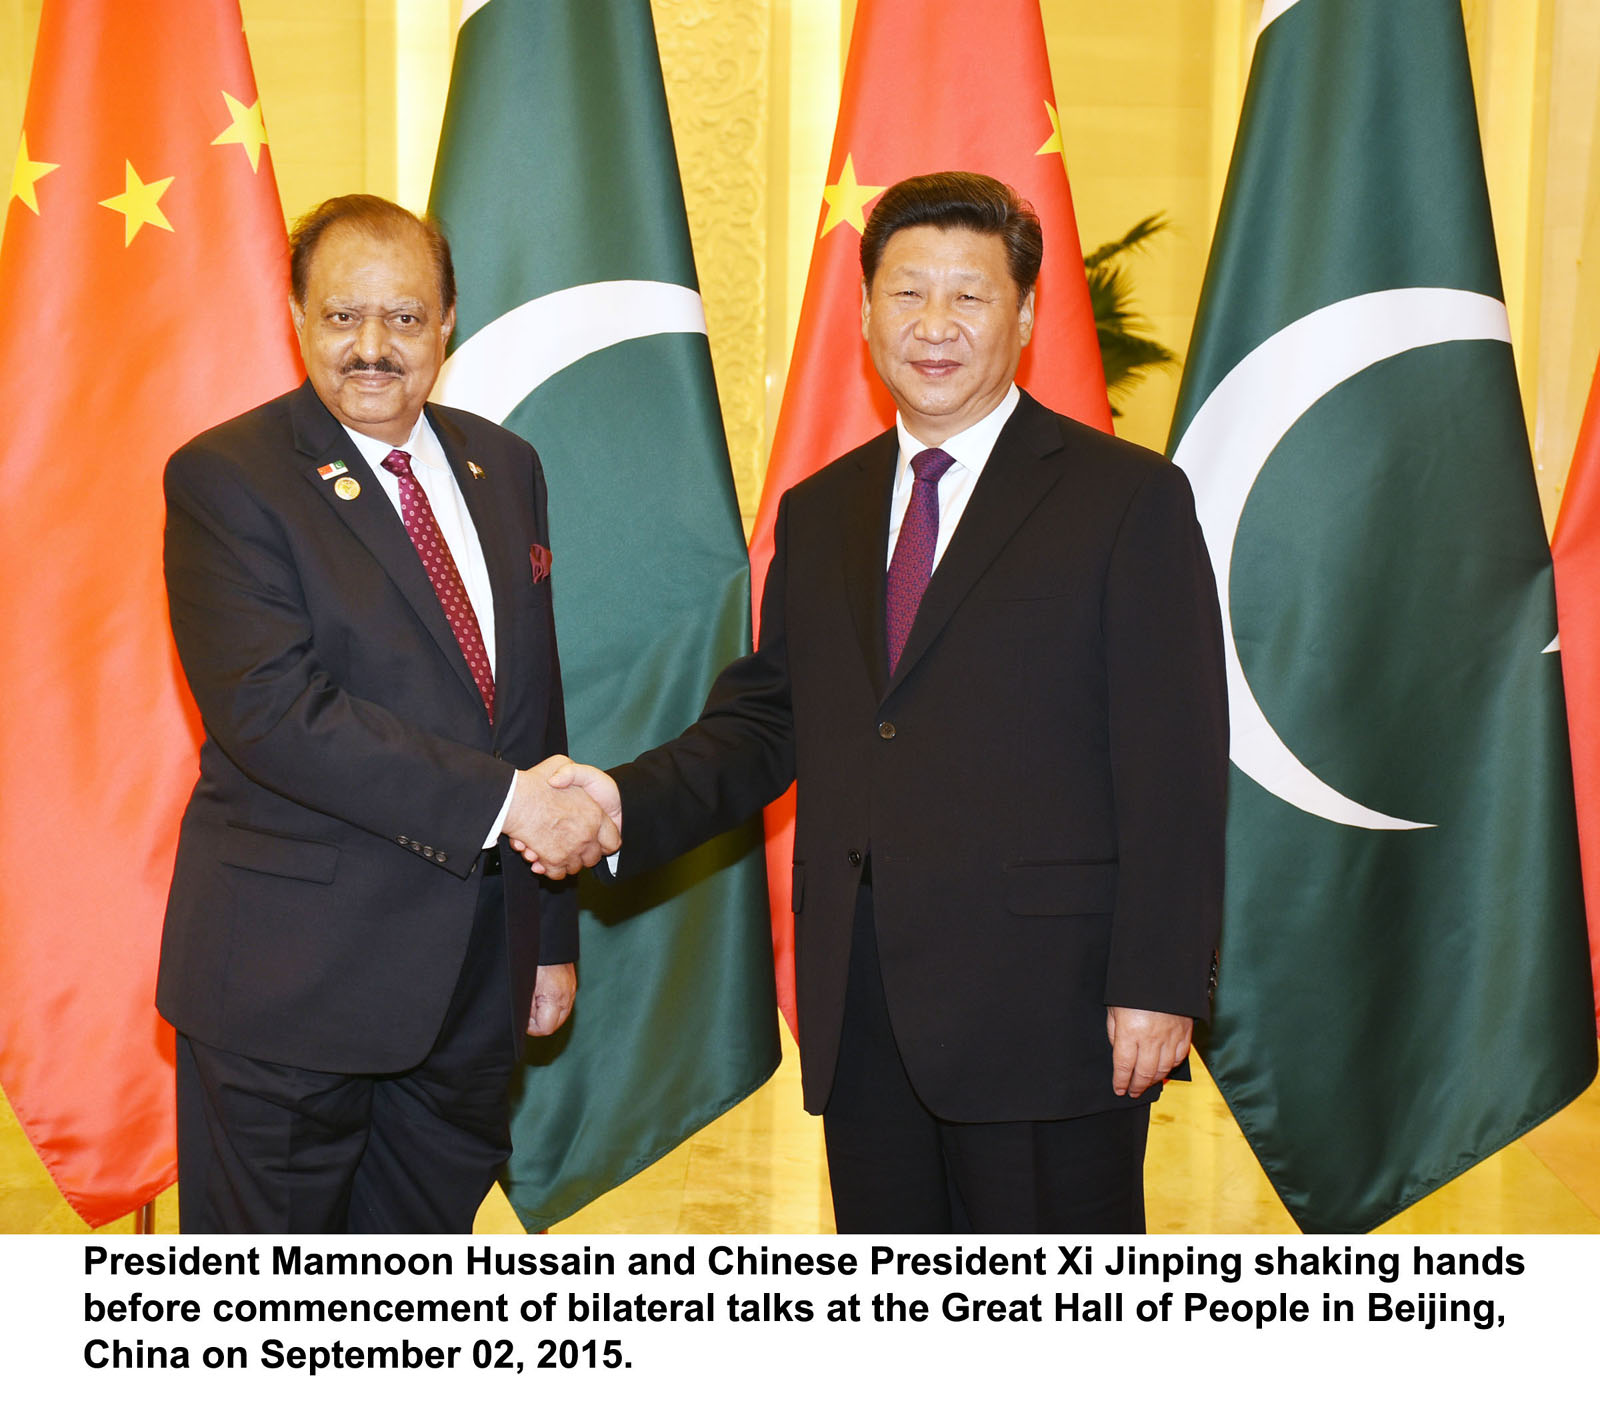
(1126, 349)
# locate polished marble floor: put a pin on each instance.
(760, 1169)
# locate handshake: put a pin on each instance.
(564, 816)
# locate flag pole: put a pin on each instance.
(144, 1220)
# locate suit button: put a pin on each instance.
(442, 858)
(427, 851)
(416, 848)
(401, 839)
(886, 730)
(855, 858)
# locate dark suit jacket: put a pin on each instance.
(1039, 786)
(327, 868)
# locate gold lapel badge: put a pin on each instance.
(347, 488)
(477, 471)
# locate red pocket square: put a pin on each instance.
(540, 557)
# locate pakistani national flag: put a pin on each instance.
(1404, 981)
(580, 327)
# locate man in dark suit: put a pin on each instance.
(360, 597)
(991, 656)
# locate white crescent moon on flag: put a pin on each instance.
(1240, 424)
(494, 370)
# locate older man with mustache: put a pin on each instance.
(361, 599)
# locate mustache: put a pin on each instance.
(380, 365)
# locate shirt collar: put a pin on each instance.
(422, 446)
(972, 445)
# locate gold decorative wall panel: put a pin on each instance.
(714, 56)
(1146, 112)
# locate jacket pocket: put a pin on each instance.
(1060, 889)
(306, 859)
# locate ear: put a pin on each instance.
(447, 326)
(866, 307)
(1025, 318)
(298, 315)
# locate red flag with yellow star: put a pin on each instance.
(930, 86)
(144, 273)
(1575, 548)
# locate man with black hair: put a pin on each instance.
(991, 656)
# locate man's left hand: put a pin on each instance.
(1145, 1045)
(553, 991)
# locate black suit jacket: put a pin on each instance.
(1039, 785)
(328, 864)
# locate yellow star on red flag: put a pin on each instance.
(138, 204)
(26, 173)
(847, 199)
(247, 129)
(81, 1059)
(1053, 142)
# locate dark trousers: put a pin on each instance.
(271, 1148)
(895, 1167)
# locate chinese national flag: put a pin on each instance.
(930, 86)
(1576, 547)
(143, 276)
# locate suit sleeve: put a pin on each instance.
(1168, 724)
(736, 758)
(244, 637)
(558, 901)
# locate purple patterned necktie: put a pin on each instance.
(441, 566)
(912, 565)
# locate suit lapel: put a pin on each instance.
(866, 538)
(371, 518)
(1021, 469)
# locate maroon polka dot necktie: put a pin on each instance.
(441, 566)
(912, 564)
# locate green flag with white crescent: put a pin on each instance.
(579, 326)
(1403, 985)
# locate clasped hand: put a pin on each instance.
(1145, 1047)
(564, 816)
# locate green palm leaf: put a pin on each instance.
(1126, 350)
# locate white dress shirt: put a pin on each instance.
(449, 506)
(971, 448)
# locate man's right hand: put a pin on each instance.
(558, 831)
